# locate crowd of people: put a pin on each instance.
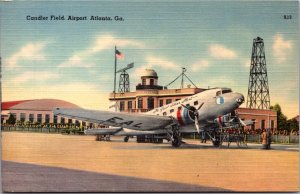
(272, 131)
(45, 125)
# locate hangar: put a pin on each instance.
(39, 110)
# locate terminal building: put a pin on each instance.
(149, 94)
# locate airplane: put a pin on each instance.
(201, 110)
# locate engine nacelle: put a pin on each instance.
(221, 120)
(186, 116)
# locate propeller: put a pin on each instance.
(242, 122)
(195, 113)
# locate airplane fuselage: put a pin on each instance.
(217, 102)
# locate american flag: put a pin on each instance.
(119, 55)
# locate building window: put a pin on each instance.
(262, 126)
(31, 118)
(140, 103)
(151, 82)
(272, 124)
(77, 123)
(39, 118)
(62, 120)
(253, 125)
(143, 81)
(54, 119)
(177, 99)
(196, 102)
(150, 103)
(22, 117)
(122, 105)
(168, 101)
(70, 121)
(161, 102)
(129, 105)
(47, 118)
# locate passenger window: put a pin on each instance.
(196, 103)
(172, 110)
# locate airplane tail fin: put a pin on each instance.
(114, 107)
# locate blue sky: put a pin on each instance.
(74, 60)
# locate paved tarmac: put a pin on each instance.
(53, 162)
(20, 177)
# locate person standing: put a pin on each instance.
(269, 139)
(264, 139)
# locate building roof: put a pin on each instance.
(43, 104)
(149, 73)
(9, 104)
(296, 117)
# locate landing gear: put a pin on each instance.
(175, 137)
(103, 138)
(215, 137)
(216, 142)
(126, 138)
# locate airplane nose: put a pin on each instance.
(240, 99)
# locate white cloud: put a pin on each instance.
(246, 63)
(153, 62)
(76, 61)
(281, 48)
(109, 42)
(35, 76)
(200, 65)
(221, 52)
(31, 51)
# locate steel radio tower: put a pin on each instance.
(258, 89)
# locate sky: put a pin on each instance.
(74, 60)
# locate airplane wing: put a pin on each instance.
(117, 119)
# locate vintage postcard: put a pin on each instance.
(149, 96)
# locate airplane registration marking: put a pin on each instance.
(176, 103)
(115, 119)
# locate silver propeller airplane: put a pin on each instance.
(204, 111)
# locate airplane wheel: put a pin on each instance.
(217, 142)
(126, 139)
(176, 142)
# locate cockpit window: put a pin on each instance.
(224, 91)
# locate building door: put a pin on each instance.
(150, 103)
(272, 124)
(262, 124)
